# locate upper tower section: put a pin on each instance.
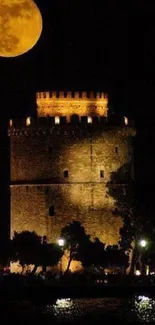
(69, 103)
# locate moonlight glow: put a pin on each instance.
(20, 26)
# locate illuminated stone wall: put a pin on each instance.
(67, 104)
(39, 157)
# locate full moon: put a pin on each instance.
(20, 26)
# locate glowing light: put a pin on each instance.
(20, 26)
(63, 303)
(147, 269)
(126, 120)
(143, 243)
(57, 120)
(61, 242)
(10, 123)
(138, 272)
(28, 121)
(144, 298)
(89, 120)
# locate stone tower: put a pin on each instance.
(61, 162)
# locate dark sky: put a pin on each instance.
(107, 46)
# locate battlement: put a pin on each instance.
(62, 95)
(76, 127)
(70, 103)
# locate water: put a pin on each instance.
(138, 310)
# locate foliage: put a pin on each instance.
(74, 239)
(98, 256)
(137, 223)
(25, 248)
(50, 255)
(93, 254)
(121, 189)
(117, 257)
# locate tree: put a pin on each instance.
(75, 239)
(120, 187)
(117, 258)
(96, 255)
(26, 249)
(93, 254)
(136, 222)
(50, 255)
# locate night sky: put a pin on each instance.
(100, 47)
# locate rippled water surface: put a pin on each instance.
(138, 310)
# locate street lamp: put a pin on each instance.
(143, 243)
(61, 243)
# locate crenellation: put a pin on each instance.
(47, 125)
(70, 95)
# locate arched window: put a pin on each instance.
(116, 149)
(51, 211)
(102, 173)
(65, 173)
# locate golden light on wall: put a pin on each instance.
(20, 26)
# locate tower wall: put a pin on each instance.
(69, 103)
(40, 155)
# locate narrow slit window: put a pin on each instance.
(116, 149)
(102, 173)
(65, 173)
(50, 149)
(51, 211)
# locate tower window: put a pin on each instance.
(57, 120)
(89, 120)
(66, 173)
(102, 173)
(51, 210)
(116, 149)
(50, 149)
(125, 120)
(44, 240)
(28, 121)
(11, 123)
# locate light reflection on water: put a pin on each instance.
(135, 310)
(145, 308)
(139, 309)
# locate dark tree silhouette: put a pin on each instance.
(120, 187)
(98, 256)
(25, 249)
(74, 239)
(117, 258)
(50, 255)
(93, 255)
(137, 223)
